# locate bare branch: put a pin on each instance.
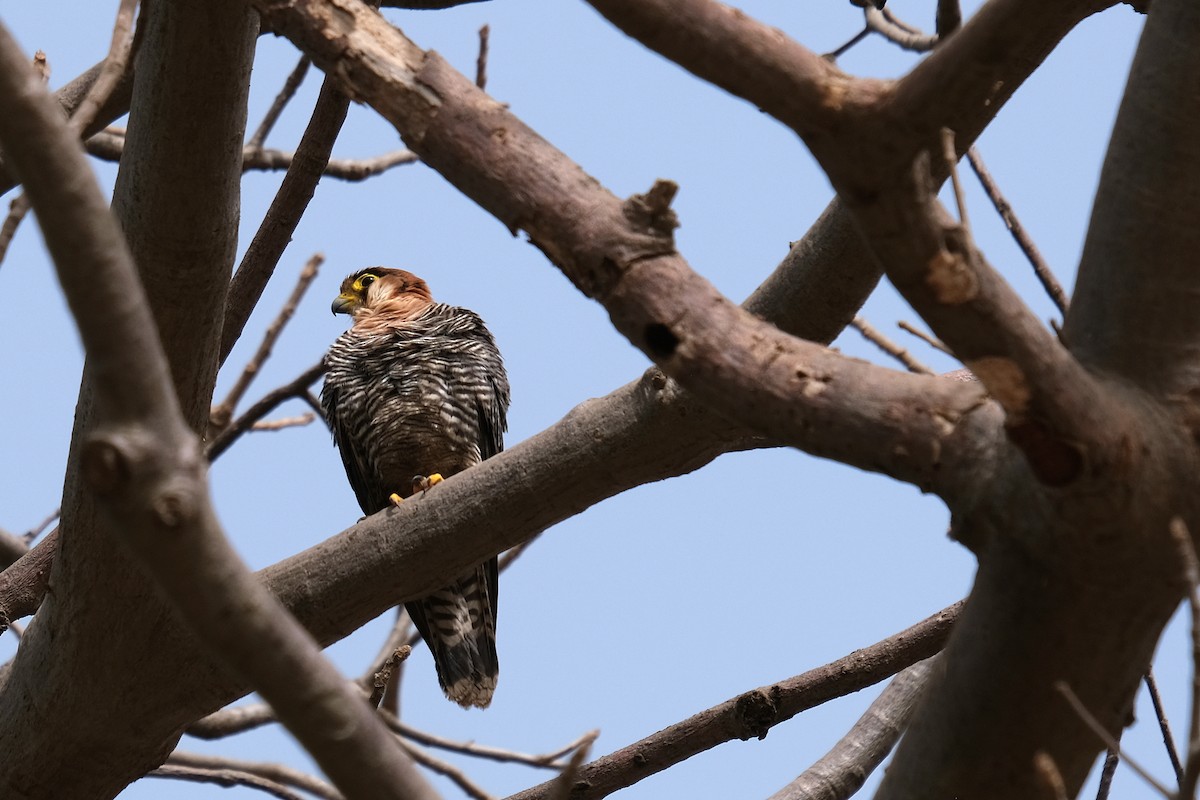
(23, 583)
(255, 142)
(284, 422)
(1161, 715)
(1132, 311)
(1040, 268)
(949, 18)
(894, 350)
(482, 59)
(842, 771)
(1111, 760)
(924, 337)
(564, 784)
(754, 713)
(1109, 741)
(114, 66)
(221, 414)
(273, 235)
(109, 145)
(279, 773)
(445, 769)
(228, 721)
(1191, 574)
(269, 402)
(17, 210)
(1052, 779)
(226, 777)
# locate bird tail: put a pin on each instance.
(459, 625)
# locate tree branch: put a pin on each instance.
(842, 771)
(1133, 310)
(754, 713)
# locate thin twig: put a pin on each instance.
(280, 773)
(383, 677)
(482, 59)
(281, 100)
(1040, 268)
(41, 65)
(269, 402)
(223, 413)
(1163, 725)
(936, 344)
(229, 721)
(284, 422)
(888, 346)
(1191, 573)
(17, 210)
(950, 154)
(445, 769)
(1103, 735)
(503, 755)
(109, 144)
(37, 530)
(225, 777)
(835, 54)
(566, 780)
(1111, 760)
(119, 52)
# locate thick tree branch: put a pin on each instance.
(1134, 307)
(754, 713)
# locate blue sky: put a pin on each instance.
(671, 597)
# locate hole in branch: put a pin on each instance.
(660, 340)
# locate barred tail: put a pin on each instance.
(459, 625)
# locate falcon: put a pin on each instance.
(416, 392)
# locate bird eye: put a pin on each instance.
(366, 280)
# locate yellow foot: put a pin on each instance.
(395, 499)
(423, 484)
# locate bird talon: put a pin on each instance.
(395, 499)
(422, 483)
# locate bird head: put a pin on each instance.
(379, 289)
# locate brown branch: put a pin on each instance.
(1103, 735)
(23, 583)
(255, 142)
(1191, 575)
(841, 772)
(222, 413)
(282, 217)
(269, 402)
(278, 773)
(383, 676)
(949, 18)
(12, 547)
(1133, 311)
(564, 784)
(109, 144)
(113, 67)
(17, 210)
(1111, 760)
(1040, 268)
(284, 422)
(924, 337)
(482, 59)
(445, 769)
(872, 335)
(225, 777)
(229, 721)
(1163, 725)
(754, 713)
(1051, 779)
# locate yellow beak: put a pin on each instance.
(345, 304)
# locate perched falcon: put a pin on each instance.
(416, 391)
